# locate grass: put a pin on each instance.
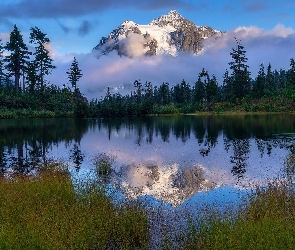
(46, 212)
(267, 221)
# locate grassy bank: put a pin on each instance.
(45, 212)
(267, 221)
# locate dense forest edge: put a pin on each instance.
(25, 92)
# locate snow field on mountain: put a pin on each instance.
(162, 35)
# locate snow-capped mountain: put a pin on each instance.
(167, 34)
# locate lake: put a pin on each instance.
(178, 160)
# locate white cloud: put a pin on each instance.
(262, 46)
(133, 45)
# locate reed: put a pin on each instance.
(266, 221)
(46, 211)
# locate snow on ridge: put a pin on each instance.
(167, 34)
(162, 35)
(173, 18)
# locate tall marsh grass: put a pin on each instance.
(266, 221)
(48, 211)
(45, 211)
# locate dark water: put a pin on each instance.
(169, 158)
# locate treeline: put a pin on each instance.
(270, 91)
(23, 86)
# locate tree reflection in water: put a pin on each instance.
(26, 143)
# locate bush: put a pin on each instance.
(167, 109)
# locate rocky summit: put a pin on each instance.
(167, 34)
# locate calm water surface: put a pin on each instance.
(175, 159)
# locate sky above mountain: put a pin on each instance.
(77, 26)
(266, 28)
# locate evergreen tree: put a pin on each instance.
(18, 58)
(42, 62)
(32, 77)
(291, 74)
(259, 85)
(176, 93)
(199, 91)
(211, 89)
(205, 79)
(240, 75)
(227, 87)
(164, 94)
(148, 98)
(2, 74)
(148, 92)
(138, 90)
(184, 92)
(281, 79)
(270, 85)
(74, 74)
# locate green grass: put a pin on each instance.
(47, 212)
(266, 222)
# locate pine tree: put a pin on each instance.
(2, 74)
(199, 91)
(18, 58)
(291, 73)
(148, 100)
(260, 82)
(240, 75)
(138, 90)
(205, 79)
(32, 77)
(42, 62)
(164, 94)
(148, 91)
(184, 92)
(270, 85)
(74, 74)
(227, 87)
(211, 89)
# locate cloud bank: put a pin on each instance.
(274, 46)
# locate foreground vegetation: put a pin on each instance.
(266, 222)
(48, 211)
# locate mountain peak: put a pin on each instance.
(173, 18)
(173, 13)
(128, 23)
(167, 34)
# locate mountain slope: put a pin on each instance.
(167, 34)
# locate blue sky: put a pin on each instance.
(265, 27)
(76, 26)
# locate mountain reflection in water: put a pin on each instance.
(170, 184)
(170, 158)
